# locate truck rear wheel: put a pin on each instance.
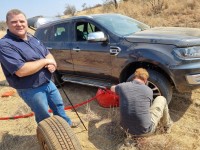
(54, 133)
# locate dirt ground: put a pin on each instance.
(103, 131)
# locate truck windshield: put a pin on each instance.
(120, 24)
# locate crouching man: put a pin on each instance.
(139, 113)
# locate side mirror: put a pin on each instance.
(97, 37)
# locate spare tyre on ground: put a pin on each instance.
(54, 133)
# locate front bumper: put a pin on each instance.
(186, 77)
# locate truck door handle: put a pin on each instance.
(49, 47)
(114, 50)
(76, 49)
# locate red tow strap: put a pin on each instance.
(66, 108)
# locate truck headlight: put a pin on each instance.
(188, 53)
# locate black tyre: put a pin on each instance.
(57, 79)
(54, 133)
(159, 84)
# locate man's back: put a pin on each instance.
(135, 102)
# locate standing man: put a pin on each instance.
(139, 113)
(28, 67)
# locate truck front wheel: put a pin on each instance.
(159, 84)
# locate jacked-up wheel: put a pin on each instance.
(54, 133)
(159, 84)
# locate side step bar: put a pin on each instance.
(86, 81)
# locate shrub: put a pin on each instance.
(70, 10)
(156, 5)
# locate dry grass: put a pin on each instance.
(173, 12)
(2, 33)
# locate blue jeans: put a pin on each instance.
(41, 98)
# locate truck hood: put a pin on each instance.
(181, 37)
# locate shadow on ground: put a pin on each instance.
(179, 105)
(28, 142)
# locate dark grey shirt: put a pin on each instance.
(135, 101)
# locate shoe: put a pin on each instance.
(168, 127)
(75, 124)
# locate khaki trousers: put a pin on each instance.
(159, 112)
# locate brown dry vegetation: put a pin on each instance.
(103, 123)
(172, 13)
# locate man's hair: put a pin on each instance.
(141, 73)
(14, 12)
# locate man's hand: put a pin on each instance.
(50, 61)
(113, 88)
(51, 68)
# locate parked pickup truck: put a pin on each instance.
(104, 49)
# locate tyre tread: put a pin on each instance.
(58, 134)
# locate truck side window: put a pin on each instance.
(80, 27)
(60, 33)
(83, 29)
(44, 34)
